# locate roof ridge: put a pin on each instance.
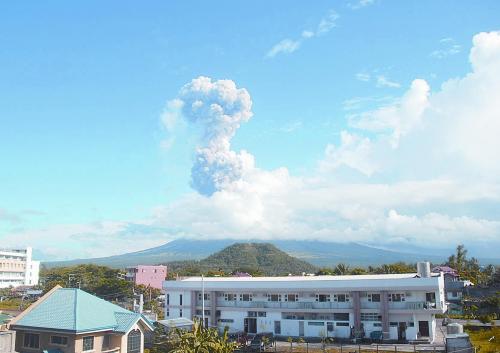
(76, 309)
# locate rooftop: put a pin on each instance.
(74, 310)
(303, 278)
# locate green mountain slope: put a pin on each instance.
(263, 258)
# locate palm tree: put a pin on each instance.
(341, 269)
(202, 340)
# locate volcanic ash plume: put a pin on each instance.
(218, 108)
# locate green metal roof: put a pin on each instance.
(4, 318)
(71, 309)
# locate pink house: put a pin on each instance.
(152, 276)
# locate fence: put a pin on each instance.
(295, 347)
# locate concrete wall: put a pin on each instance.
(7, 341)
(152, 276)
(75, 342)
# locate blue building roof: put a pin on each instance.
(71, 309)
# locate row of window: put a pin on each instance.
(316, 316)
(32, 340)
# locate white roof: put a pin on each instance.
(300, 278)
(354, 282)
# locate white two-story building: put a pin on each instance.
(396, 306)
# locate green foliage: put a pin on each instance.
(470, 269)
(254, 258)
(99, 280)
(486, 341)
(202, 340)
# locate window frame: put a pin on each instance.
(32, 334)
(59, 344)
(83, 343)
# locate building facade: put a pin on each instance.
(69, 320)
(152, 276)
(17, 268)
(394, 307)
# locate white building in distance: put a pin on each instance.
(17, 268)
(393, 306)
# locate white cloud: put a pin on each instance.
(354, 152)
(447, 47)
(288, 46)
(327, 23)
(383, 81)
(363, 76)
(360, 4)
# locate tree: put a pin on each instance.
(341, 269)
(202, 340)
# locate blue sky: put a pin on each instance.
(87, 161)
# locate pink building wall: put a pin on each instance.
(152, 276)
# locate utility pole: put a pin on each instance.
(203, 301)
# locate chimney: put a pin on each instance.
(424, 269)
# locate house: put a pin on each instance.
(454, 287)
(17, 268)
(395, 306)
(149, 276)
(70, 320)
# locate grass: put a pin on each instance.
(486, 341)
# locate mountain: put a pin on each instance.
(318, 253)
(262, 256)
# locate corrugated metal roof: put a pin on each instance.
(72, 309)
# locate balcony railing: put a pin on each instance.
(413, 305)
(285, 305)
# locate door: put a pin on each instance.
(250, 325)
(277, 327)
(423, 328)
(402, 331)
(301, 328)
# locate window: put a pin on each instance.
(341, 298)
(180, 299)
(230, 297)
(106, 342)
(252, 314)
(374, 297)
(322, 298)
(341, 316)
(370, 317)
(392, 323)
(206, 296)
(315, 323)
(397, 297)
(329, 326)
(261, 314)
(246, 297)
(167, 313)
(59, 340)
(168, 299)
(291, 297)
(227, 321)
(341, 324)
(274, 297)
(88, 343)
(377, 324)
(134, 342)
(31, 340)
(180, 312)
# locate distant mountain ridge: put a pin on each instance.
(318, 253)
